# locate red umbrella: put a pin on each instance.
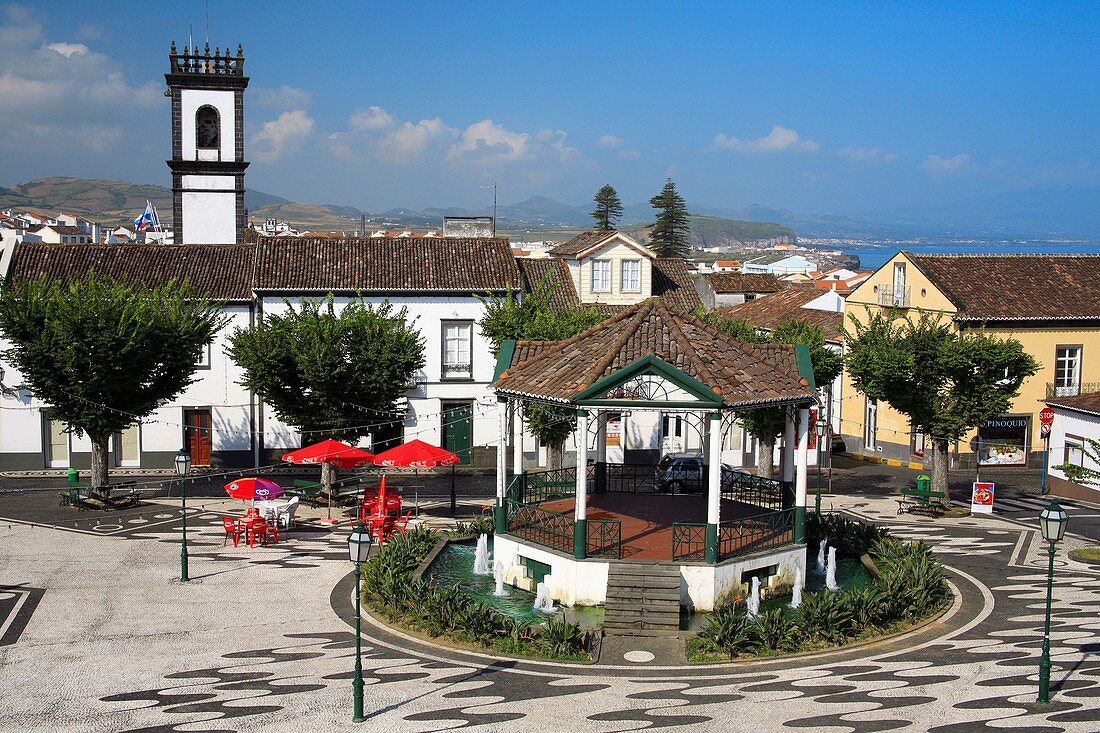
(416, 454)
(253, 488)
(338, 454)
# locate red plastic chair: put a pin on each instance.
(272, 532)
(257, 532)
(401, 524)
(231, 530)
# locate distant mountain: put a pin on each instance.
(543, 211)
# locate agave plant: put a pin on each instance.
(774, 631)
(729, 631)
(562, 638)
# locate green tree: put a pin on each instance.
(945, 381)
(1082, 474)
(531, 317)
(319, 369)
(767, 424)
(609, 209)
(669, 234)
(103, 354)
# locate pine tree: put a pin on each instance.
(669, 235)
(608, 209)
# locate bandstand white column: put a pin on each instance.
(580, 513)
(517, 437)
(502, 464)
(801, 469)
(601, 436)
(714, 468)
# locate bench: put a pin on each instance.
(77, 497)
(921, 500)
(117, 496)
(345, 491)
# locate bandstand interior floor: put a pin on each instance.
(647, 519)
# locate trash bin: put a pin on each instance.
(924, 482)
(73, 476)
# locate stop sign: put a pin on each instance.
(1046, 416)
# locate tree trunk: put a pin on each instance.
(765, 450)
(553, 454)
(100, 444)
(939, 466)
(328, 476)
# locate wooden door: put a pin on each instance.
(197, 436)
(458, 429)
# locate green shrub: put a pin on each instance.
(825, 617)
(728, 631)
(775, 632)
(562, 638)
(850, 537)
(478, 526)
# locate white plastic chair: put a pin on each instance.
(286, 513)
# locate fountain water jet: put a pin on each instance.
(498, 571)
(754, 598)
(796, 591)
(543, 601)
(481, 557)
(821, 556)
(830, 571)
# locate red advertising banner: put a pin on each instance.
(981, 498)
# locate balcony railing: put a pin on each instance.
(457, 371)
(751, 534)
(766, 493)
(605, 538)
(891, 297)
(1071, 390)
(689, 541)
(542, 527)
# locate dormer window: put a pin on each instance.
(207, 128)
(601, 276)
(632, 276)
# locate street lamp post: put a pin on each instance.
(1052, 521)
(359, 542)
(822, 429)
(183, 467)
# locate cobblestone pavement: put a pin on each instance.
(107, 639)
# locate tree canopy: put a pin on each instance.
(609, 209)
(102, 353)
(668, 236)
(331, 375)
(945, 381)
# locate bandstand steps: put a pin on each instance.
(642, 598)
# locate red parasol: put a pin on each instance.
(331, 451)
(416, 454)
(380, 502)
(253, 488)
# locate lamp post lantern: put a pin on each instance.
(1052, 522)
(183, 467)
(359, 542)
(822, 429)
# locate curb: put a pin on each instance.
(894, 462)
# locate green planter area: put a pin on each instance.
(909, 588)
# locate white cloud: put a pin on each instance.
(610, 141)
(934, 165)
(409, 142)
(868, 155)
(284, 134)
(488, 142)
(628, 154)
(778, 140)
(371, 119)
(59, 95)
(282, 98)
(68, 50)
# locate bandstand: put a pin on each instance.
(568, 527)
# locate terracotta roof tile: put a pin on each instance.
(534, 270)
(580, 243)
(1088, 402)
(366, 263)
(739, 282)
(745, 375)
(672, 281)
(776, 309)
(219, 271)
(1016, 287)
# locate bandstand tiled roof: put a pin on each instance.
(743, 375)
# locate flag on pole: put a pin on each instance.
(147, 218)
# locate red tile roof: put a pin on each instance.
(1016, 287)
(772, 311)
(1088, 402)
(739, 282)
(744, 375)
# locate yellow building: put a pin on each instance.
(1049, 303)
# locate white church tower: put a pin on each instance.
(207, 162)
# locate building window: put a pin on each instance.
(870, 426)
(128, 447)
(1075, 451)
(57, 442)
(457, 347)
(207, 128)
(203, 359)
(1002, 441)
(601, 276)
(632, 276)
(1067, 371)
(916, 442)
(750, 296)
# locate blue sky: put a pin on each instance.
(815, 107)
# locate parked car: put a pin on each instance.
(686, 473)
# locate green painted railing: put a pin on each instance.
(552, 484)
(766, 493)
(605, 538)
(549, 529)
(629, 478)
(752, 534)
(689, 540)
